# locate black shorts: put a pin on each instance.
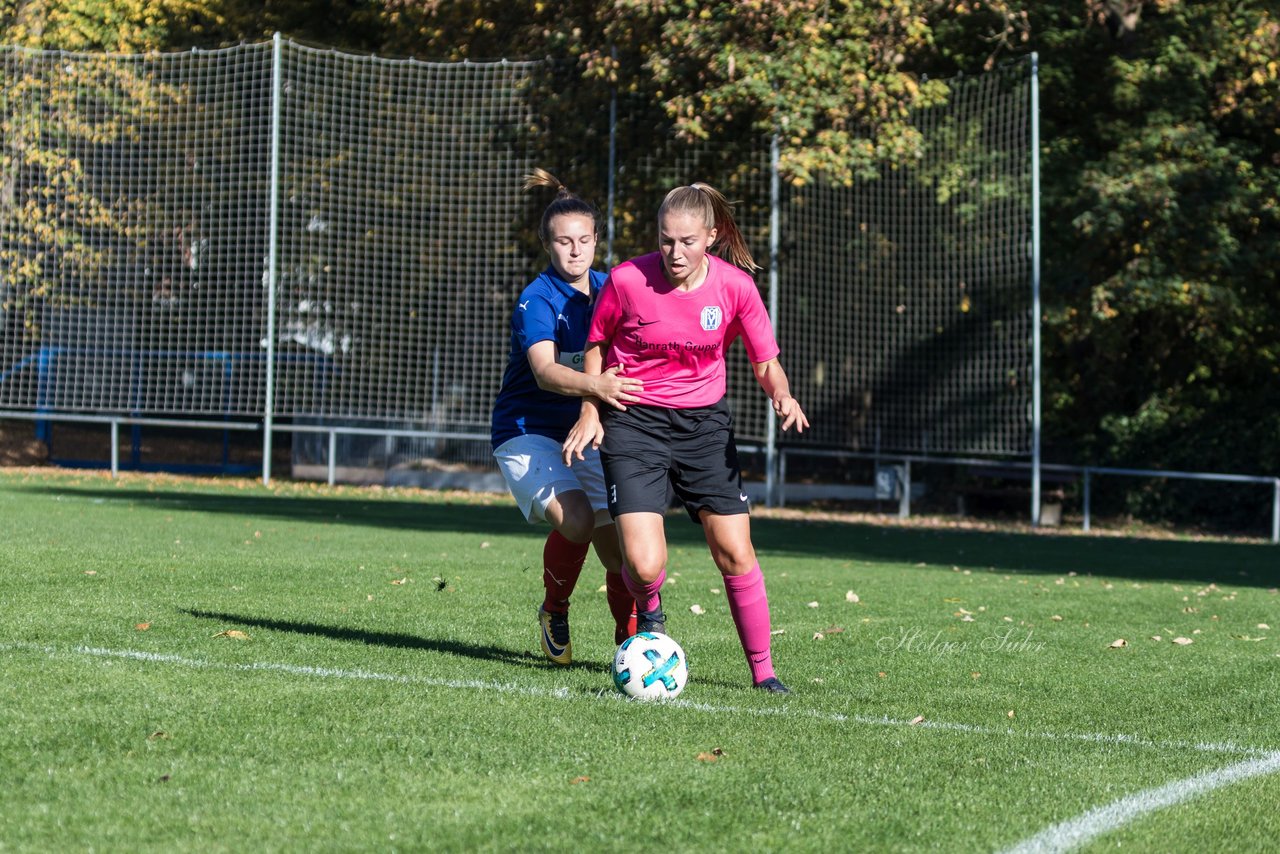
(651, 453)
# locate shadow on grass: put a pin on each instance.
(398, 514)
(1241, 564)
(1238, 564)
(394, 640)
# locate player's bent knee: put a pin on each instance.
(645, 571)
(738, 561)
(577, 527)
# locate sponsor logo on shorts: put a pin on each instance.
(711, 317)
(742, 496)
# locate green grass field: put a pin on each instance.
(383, 689)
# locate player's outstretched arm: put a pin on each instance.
(588, 430)
(610, 386)
(775, 384)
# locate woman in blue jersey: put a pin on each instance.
(539, 402)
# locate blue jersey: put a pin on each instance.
(549, 309)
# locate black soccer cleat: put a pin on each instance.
(773, 685)
(651, 621)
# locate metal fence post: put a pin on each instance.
(268, 403)
(771, 418)
(1087, 499)
(613, 165)
(1275, 513)
(904, 500)
(115, 447)
(1035, 289)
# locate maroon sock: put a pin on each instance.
(621, 605)
(562, 561)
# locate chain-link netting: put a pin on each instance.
(905, 301)
(133, 231)
(135, 244)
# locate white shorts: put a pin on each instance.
(535, 472)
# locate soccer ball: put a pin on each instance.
(650, 666)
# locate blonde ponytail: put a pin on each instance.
(716, 211)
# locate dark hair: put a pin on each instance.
(565, 203)
(705, 201)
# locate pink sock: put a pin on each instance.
(645, 594)
(562, 561)
(749, 605)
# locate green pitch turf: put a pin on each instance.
(219, 666)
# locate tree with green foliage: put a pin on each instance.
(1161, 161)
(1162, 238)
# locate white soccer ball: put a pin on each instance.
(650, 666)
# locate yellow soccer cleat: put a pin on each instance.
(553, 631)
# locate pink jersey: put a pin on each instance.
(675, 341)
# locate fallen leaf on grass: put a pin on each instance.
(1263, 626)
(1056, 618)
(833, 630)
(813, 604)
(484, 545)
(976, 675)
(716, 753)
(91, 572)
(576, 780)
(1247, 638)
(158, 735)
(1156, 638)
(400, 581)
(697, 609)
(918, 719)
(1183, 641)
(1010, 713)
(233, 633)
(1118, 643)
(852, 597)
(818, 636)
(882, 674)
(777, 632)
(142, 627)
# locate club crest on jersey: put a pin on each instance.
(711, 317)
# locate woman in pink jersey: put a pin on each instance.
(667, 319)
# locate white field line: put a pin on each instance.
(564, 693)
(1100, 820)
